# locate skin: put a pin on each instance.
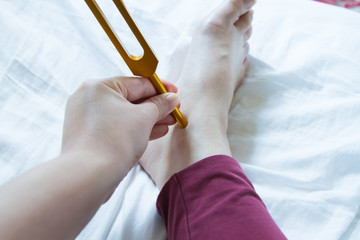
(219, 66)
(57, 199)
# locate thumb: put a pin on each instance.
(161, 105)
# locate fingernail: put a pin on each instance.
(173, 99)
(249, 3)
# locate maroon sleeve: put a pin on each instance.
(213, 199)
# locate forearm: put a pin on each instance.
(56, 199)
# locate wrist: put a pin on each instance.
(93, 163)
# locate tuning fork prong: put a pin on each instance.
(144, 65)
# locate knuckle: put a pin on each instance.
(147, 116)
(249, 33)
(212, 27)
(160, 107)
(88, 88)
(235, 4)
(122, 88)
(87, 84)
(247, 46)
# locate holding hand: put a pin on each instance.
(108, 124)
(102, 118)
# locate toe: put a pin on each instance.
(246, 49)
(243, 71)
(244, 22)
(230, 11)
(247, 34)
(246, 65)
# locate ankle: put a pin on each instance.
(209, 135)
(208, 118)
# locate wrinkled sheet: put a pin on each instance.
(294, 122)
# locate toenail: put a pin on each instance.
(249, 3)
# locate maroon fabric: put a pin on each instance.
(213, 199)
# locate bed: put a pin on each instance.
(294, 123)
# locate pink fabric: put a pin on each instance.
(333, 2)
(343, 3)
(213, 199)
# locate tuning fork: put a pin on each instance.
(143, 65)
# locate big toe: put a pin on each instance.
(244, 22)
(230, 10)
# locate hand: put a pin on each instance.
(115, 118)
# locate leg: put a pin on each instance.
(215, 67)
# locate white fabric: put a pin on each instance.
(294, 123)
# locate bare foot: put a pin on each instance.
(215, 67)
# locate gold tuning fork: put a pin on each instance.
(144, 65)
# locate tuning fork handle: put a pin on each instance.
(144, 65)
(160, 88)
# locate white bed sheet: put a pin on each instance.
(294, 123)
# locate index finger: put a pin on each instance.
(136, 88)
